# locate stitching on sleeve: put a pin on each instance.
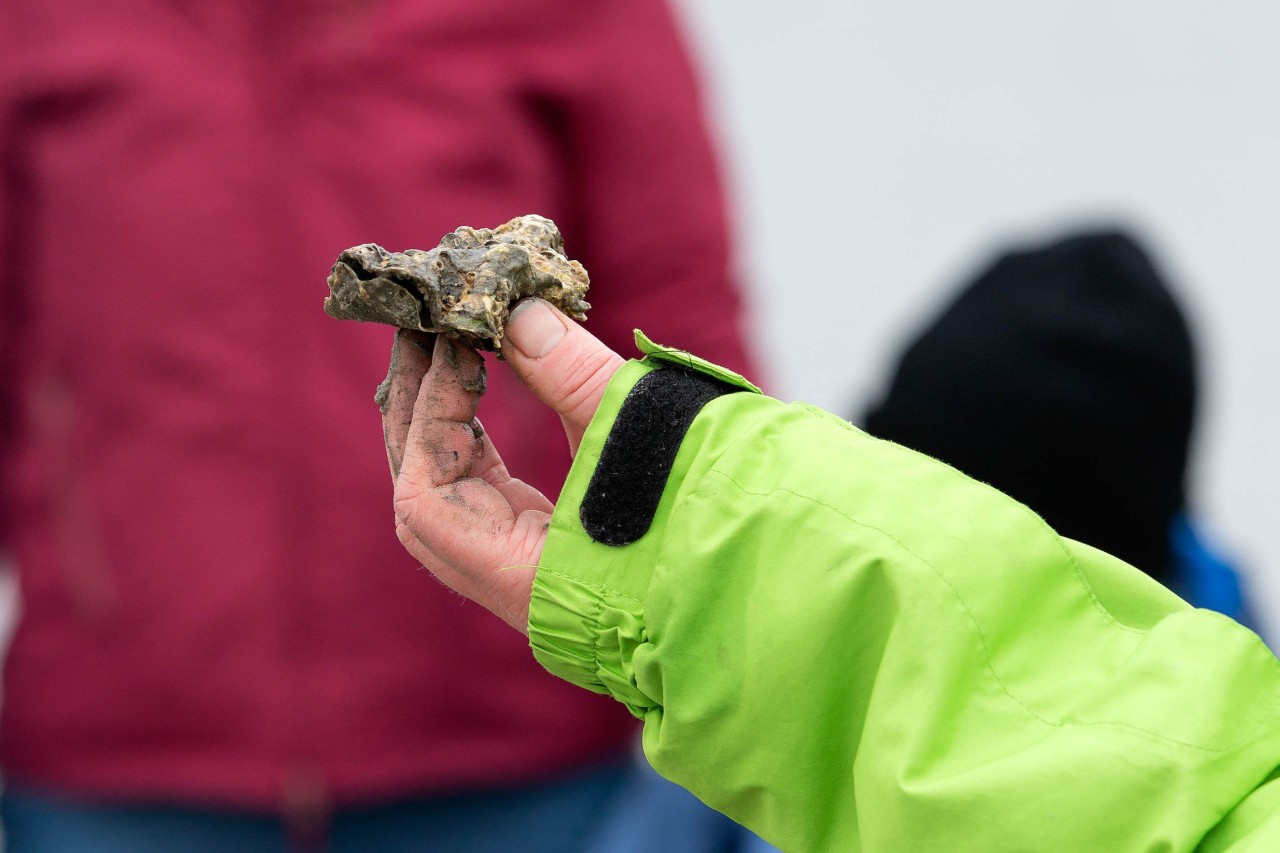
(986, 656)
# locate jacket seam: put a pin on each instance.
(977, 627)
(1035, 517)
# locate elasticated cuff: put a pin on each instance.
(586, 616)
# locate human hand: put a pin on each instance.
(458, 510)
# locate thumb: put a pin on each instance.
(564, 365)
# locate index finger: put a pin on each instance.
(396, 396)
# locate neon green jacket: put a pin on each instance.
(845, 645)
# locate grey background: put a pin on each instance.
(879, 151)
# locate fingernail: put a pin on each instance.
(534, 328)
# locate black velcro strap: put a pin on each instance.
(627, 484)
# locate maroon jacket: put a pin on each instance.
(214, 604)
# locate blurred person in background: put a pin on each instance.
(221, 644)
(1065, 376)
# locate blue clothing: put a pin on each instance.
(656, 815)
(552, 818)
(1202, 575)
(621, 808)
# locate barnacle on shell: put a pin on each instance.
(463, 288)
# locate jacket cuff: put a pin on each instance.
(586, 616)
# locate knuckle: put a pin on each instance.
(404, 533)
(405, 503)
(583, 380)
(528, 536)
(405, 495)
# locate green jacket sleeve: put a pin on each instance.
(845, 645)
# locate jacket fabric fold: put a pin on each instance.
(847, 645)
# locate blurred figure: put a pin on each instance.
(1065, 376)
(222, 645)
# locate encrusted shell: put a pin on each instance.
(464, 287)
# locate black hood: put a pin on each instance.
(1065, 377)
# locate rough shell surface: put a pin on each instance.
(464, 287)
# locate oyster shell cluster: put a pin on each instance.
(463, 288)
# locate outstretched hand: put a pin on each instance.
(458, 510)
